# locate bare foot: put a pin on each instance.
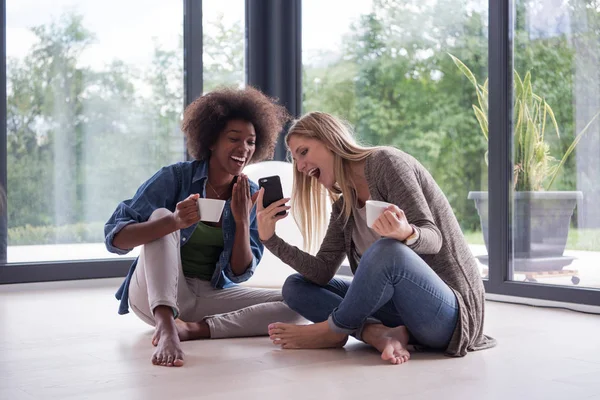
(391, 342)
(192, 330)
(168, 351)
(187, 331)
(314, 336)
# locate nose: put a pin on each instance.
(301, 166)
(244, 148)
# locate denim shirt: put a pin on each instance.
(165, 189)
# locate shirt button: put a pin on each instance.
(183, 239)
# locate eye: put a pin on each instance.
(303, 152)
(233, 140)
(251, 142)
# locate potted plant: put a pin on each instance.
(541, 216)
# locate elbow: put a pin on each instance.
(439, 242)
(116, 242)
(322, 280)
(436, 245)
(116, 245)
(430, 242)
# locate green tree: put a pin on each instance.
(404, 91)
(223, 58)
(80, 139)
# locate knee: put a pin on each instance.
(171, 239)
(291, 289)
(387, 251)
(159, 213)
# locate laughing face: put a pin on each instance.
(313, 158)
(235, 146)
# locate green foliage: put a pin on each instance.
(392, 84)
(533, 164)
(82, 139)
(50, 234)
(394, 81)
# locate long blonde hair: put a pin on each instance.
(309, 207)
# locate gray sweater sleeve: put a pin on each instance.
(400, 183)
(321, 268)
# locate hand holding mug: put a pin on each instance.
(186, 212)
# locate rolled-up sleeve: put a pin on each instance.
(160, 191)
(110, 230)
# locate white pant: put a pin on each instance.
(238, 311)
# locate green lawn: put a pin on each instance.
(579, 239)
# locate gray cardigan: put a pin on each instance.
(398, 178)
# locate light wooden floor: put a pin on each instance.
(66, 341)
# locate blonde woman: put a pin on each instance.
(415, 279)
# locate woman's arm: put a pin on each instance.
(319, 269)
(159, 191)
(398, 183)
(136, 234)
(241, 207)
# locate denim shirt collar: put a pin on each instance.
(201, 171)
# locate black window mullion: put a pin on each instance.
(500, 142)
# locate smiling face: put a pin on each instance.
(313, 159)
(235, 147)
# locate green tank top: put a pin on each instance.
(199, 256)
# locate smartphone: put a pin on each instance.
(273, 191)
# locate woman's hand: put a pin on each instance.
(267, 217)
(241, 201)
(186, 212)
(392, 223)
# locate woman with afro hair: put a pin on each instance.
(185, 280)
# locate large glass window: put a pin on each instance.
(556, 228)
(388, 68)
(223, 43)
(94, 96)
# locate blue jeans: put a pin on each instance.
(392, 285)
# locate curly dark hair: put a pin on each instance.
(207, 116)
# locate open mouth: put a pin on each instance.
(314, 173)
(239, 160)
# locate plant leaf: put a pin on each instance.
(553, 118)
(483, 122)
(465, 70)
(571, 148)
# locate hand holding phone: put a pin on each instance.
(272, 191)
(270, 206)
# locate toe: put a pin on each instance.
(278, 335)
(159, 360)
(178, 362)
(388, 353)
(276, 325)
(169, 361)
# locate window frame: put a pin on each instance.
(273, 64)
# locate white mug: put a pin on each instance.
(210, 209)
(374, 210)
